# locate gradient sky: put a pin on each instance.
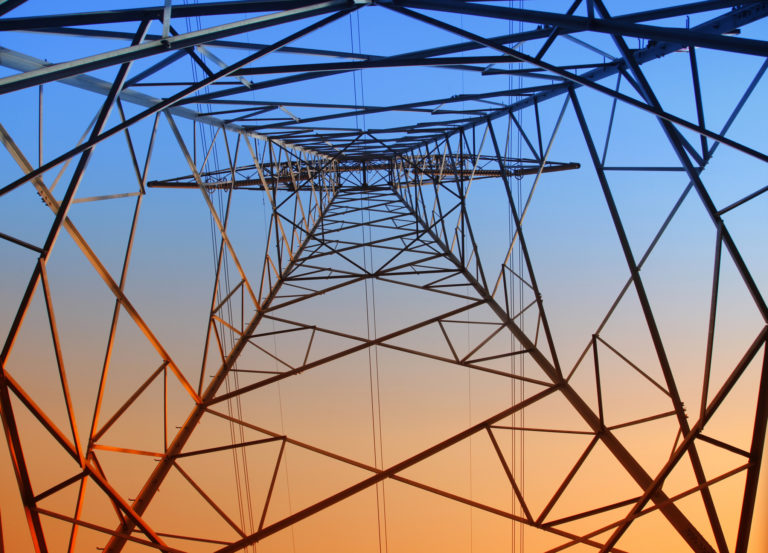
(579, 267)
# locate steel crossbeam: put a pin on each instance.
(404, 236)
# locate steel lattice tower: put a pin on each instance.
(513, 301)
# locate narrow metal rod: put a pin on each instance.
(755, 459)
(162, 469)
(627, 460)
(697, 545)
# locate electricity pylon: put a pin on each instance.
(387, 263)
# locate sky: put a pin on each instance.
(382, 405)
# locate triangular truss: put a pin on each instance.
(399, 330)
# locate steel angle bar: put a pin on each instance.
(5, 7)
(58, 71)
(380, 476)
(172, 100)
(755, 460)
(682, 447)
(6, 408)
(676, 517)
(23, 62)
(164, 466)
(653, 329)
(575, 23)
(732, 20)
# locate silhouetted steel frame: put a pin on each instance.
(560, 24)
(643, 479)
(8, 420)
(388, 473)
(739, 16)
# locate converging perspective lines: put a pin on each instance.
(383, 276)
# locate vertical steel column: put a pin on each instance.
(755, 459)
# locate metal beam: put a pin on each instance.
(132, 53)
